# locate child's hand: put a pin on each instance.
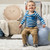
(20, 25)
(44, 26)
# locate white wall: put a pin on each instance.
(17, 1)
(11, 1)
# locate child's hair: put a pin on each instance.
(29, 1)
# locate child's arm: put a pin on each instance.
(41, 19)
(23, 20)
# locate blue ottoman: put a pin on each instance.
(42, 37)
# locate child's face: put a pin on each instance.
(31, 6)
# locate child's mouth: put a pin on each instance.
(30, 8)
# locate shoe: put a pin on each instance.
(35, 45)
(25, 45)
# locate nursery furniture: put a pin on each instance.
(11, 14)
(4, 27)
(46, 12)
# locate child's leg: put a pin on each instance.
(24, 34)
(34, 32)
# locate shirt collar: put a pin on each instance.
(29, 14)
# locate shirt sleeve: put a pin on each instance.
(23, 19)
(26, 12)
(41, 19)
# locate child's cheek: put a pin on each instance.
(34, 7)
(27, 8)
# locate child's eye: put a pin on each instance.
(29, 5)
(33, 5)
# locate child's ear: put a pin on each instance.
(26, 7)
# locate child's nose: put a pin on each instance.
(31, 6)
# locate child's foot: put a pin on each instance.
(25, 45)
(35, 45)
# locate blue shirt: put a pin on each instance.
(31, 20)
